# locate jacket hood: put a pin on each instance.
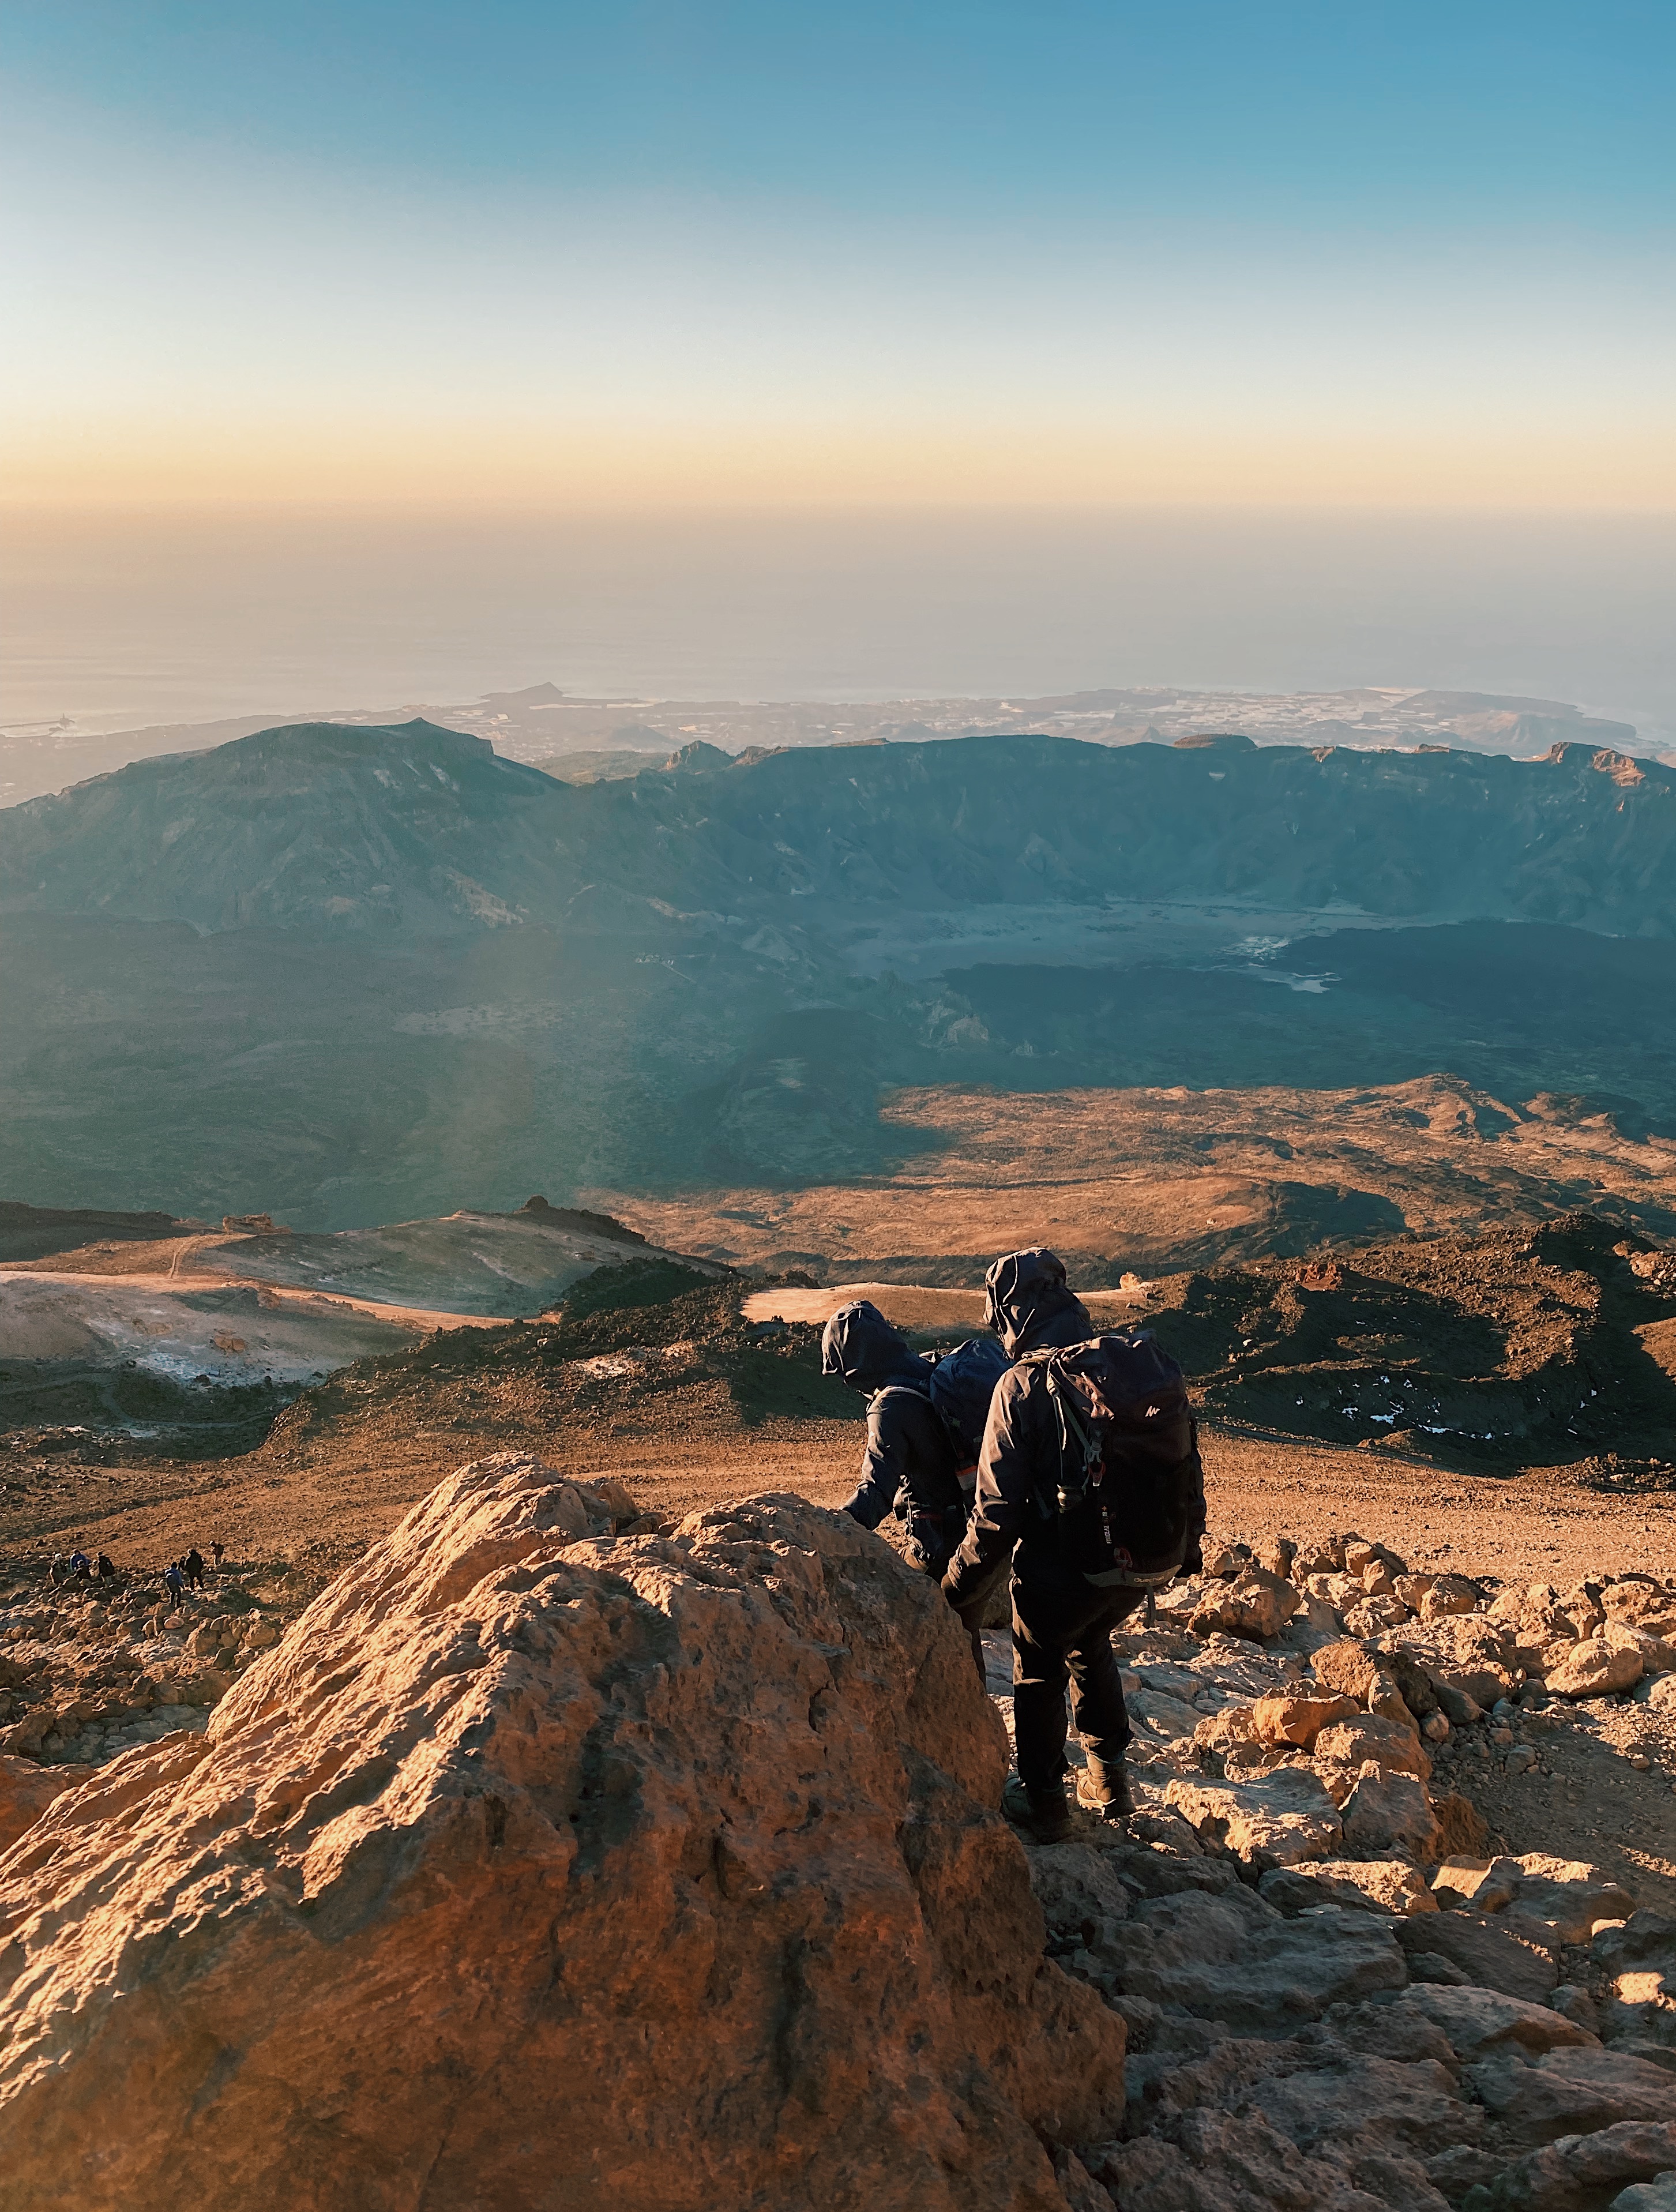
(1029, 1303)
(863, 1349)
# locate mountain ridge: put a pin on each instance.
(319, 819)
(331, 828)
(540, 723)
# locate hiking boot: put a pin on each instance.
(1103, 1786)
(1045, 1815)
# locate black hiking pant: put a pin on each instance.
(1061, 1633)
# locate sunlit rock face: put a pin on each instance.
(541, 1865)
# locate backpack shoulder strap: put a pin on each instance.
(894, 1393)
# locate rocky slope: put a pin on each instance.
(1553, 1345)
(1518, 1348)
(1342, 1992)
(732, 1773)
(549, 1856)
(89, 1671)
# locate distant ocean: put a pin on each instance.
(120, 621)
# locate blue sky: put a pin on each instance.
(1056, 251)
(1321, 116)
(496, 270)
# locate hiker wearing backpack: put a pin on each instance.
(926, 1420)
(1090, 1487)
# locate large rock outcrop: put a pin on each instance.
(542, 1867)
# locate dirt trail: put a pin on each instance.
(186, 1245)
(334, 1491)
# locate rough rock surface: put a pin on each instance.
(536, 1867)
(1611, 1660)
(1477, 2021)
(1255, 1604)
(1581, 2173)
(1655, 2195)
(1346, 1669)
(1379, 1885)
(1273, 1821)
(1387, 1743)
(1484, 1952)
(1278, 1719)
(1571, 2092)
(25, 1791)
(1233, 1960)
(1636, 1964)
(1502, 2033)
(1341, 1990)
(1390, 1812)
(1564, 1900)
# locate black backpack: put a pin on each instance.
(963, 1383)
(1130, 1482)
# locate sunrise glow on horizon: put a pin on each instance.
(737, 255)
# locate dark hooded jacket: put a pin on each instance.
(1028, 1303)
(1032, 1310)
(909, 1455)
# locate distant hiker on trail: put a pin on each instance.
(193, 1562)
(106, 1566)
(80, 1565)
(1090, 1486)
(174, 1583)
(925, 1422)
(220, 1551)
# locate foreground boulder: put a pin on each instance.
(1612, 1661)
(538, 1867)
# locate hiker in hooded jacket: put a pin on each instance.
(912, 1464)
(1091, 1490)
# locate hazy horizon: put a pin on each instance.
(123, 619)
(371, 354)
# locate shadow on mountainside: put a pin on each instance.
(337, 1084)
